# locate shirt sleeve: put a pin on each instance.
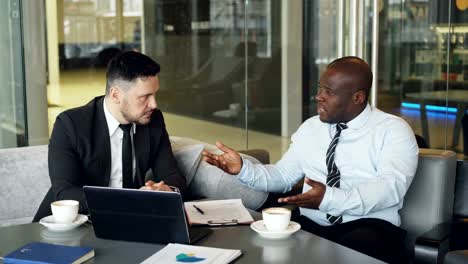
(279, 177)
(164, 164)
(395, 169)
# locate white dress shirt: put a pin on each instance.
(116, 138)
(377, 156)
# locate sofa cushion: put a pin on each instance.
(213, 183)
(188, 157)
(25, 179)
(429, 199)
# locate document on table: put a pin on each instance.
(217, 212)
(177, 253)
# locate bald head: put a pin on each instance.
(343, 90)
(358, 72)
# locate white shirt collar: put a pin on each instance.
(361, 119)
(112, 123)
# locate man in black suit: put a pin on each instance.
(114, 139)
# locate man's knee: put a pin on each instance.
(382, 245)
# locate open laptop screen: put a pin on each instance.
(137, 215)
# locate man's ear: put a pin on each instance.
(359, 97)
(115, 95)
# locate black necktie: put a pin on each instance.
(333, 178)
(127, 159)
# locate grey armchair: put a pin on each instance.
(457, 231)
(428, 205)
(447, 242)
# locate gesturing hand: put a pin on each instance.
(310, 199)
(230, 161)
(160, 186)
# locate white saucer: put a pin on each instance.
(260, 228)
(50, 223)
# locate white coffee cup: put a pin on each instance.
(64, 211)
(276, 218)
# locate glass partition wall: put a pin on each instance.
(220, 62)
(423, 65)
(225, 62)
(422, 60)
(13, 130)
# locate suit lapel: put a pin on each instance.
(101, 132)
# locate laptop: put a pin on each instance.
(140, 215)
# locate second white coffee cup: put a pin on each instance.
(276, 218)
(65, 211)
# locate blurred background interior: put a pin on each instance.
(240, 71)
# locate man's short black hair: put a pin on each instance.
(129, 66)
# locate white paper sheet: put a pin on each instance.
(218, 211)
(204, 255)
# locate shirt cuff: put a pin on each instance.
(326, 200)
(244, 170)
(333, 201)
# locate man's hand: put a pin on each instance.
(160, 186)
(230, 161)
(310, 199)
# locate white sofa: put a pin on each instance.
(25, 179)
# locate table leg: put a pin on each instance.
(461, 109)
(424, 125)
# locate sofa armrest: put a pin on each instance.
(260, 154)
(456, 257)
(432, 246)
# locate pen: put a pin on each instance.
(198, 209)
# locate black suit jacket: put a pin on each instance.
(79, 154)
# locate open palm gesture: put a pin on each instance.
(230, 161)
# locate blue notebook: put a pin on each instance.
(42, 253)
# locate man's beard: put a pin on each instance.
(131, 119)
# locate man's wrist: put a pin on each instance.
(174, 189)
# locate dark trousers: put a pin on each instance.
(374, 237)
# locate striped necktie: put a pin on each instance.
(333, 178)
